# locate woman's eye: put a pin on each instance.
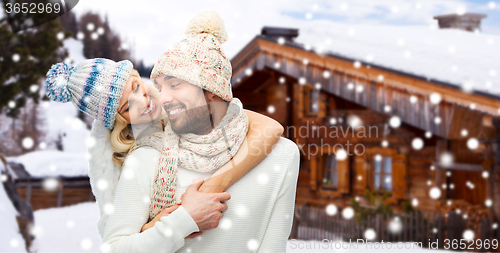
(136, 88)
(126, 110)
(175, 85)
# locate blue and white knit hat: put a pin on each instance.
(94, 86)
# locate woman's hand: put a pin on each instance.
(165, 212)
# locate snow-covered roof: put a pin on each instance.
(464, 59)
(53, 163)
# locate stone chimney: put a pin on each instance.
(289, 34)
(469, 21)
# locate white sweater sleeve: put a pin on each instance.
(280, 222)
(131, 211)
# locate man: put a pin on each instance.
(260, 212)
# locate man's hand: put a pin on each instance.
(205, 208)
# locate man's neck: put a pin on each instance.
(219, 110)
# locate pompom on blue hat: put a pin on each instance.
(94, 86)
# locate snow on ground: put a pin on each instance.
(448, 55)
(67, 229)
(74, 229)
(10, 237)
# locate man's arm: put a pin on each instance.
(280, 222)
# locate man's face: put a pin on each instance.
(185, 105)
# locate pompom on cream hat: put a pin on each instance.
(199, 58)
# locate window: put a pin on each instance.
(382, 173)
(313, 100)
(330, 177)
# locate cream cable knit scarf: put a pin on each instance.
(203, 153)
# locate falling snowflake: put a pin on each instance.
(16, 57)
(435, 98)
(282, 80)
(326, 74)
(341, 155)
(472, 143)
(80, 36)
(385, 143)
(14, 243)
(4, 177)
(350, 86)
(357, 64)
(52, 167)
(395, 225)
(100, 31)
(468, 234)
(448, 173)
(11, 104)
(429, 182)
(331, 209)
(102, 184)
(309, 16)
(378, 157)
(432, 167)
(348, 213)
(281, 40)
(128, 173)
(413, 99)
(105, 247)
(414, 202)
(387, 108)
(417, 143)
(94, 36)
(277, 65)
(252, 244)
(380, 78)
(488, 203)
(302, 80)
(241, 211)
(70, 224)
(492, 5)
(395, 122)
(485, 174)
(60, 35)
(344, 6)
(333, 121)
(225, 223)
(271, 109)
(263, 178)
(461, 10)
(248, 72)
(370, 234)
(435, 193)
(90, 26)
(443, 186)
(446, 158)
(428, 134)
(109, 208)
(305, 61)
(437, 120)
(359, 88)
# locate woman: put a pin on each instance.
(99, 87)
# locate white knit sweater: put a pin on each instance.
(259, 218)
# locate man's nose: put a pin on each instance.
(166, 97)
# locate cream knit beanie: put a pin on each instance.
(199, 58)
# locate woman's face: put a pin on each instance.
(139, 102)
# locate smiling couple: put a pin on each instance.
(180, 166)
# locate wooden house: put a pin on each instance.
(422, 140)
(48, 192)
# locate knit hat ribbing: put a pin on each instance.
(199, 58)
(94, 86)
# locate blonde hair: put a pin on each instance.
(121, 139)
(121, 135)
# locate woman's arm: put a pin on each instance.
(263, 134)
(123, 230)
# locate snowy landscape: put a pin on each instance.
(414, 50)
